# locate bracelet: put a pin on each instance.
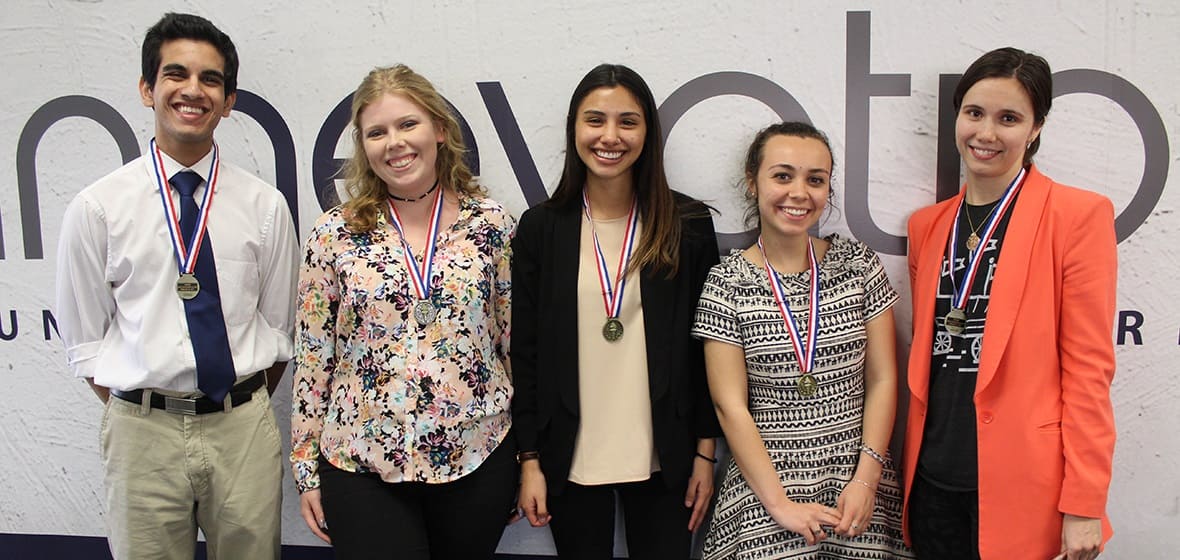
(876, 456)
(522, 456)
(707, 458)
(867, 485)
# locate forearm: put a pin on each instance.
(273, 374)
(880, 404)
(102, 392)
(707, 447)
(877, 428)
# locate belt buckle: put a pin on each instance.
(177, 405)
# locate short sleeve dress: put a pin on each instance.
(813, 441)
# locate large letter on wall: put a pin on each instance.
(1151, 129)
(730, 83)
(284, 146)
(26, 157)
(860, 85)
(523, 166)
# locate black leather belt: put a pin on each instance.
(239, 395)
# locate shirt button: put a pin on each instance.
(987, 417)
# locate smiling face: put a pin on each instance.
(792, 184)
(401, 143)
(993, 129)
(609, 133)
(188, 98)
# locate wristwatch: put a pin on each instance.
(522, 456)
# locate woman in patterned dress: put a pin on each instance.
(807, 407)
(400, 415)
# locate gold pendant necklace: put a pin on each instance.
(973, 239)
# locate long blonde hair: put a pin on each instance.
(367, 192)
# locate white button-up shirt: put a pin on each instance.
(117, 308)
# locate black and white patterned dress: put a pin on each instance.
(813, 441)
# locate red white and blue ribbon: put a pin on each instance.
(804, 349)
(420, 273)
(612, 293)
(186, 251)
(962, 292)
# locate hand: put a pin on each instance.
(700, 490)
(855, 505)
(515, 514)
(806, 519)
(533, 494)
(1081, 538)
(313, 514)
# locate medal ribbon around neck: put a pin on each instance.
(963, 292)
(612, 299)
(186, 252)
(420, 274)
(805, 356)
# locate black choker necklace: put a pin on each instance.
(420, 197)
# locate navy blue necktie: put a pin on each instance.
(206, 325)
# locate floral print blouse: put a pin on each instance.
(375, 392)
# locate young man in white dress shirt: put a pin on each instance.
(183, 346)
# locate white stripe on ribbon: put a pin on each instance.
(420, 273)
(612, 299)
(185, 252)
(962, 293)
(804, 350)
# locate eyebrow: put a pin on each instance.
(177, 67)
(1002, 109)
(603, 113)
(396, 120)
(790, 167)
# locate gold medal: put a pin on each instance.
(187, 286)
(612, 330)
(955, 321)
(807, 385)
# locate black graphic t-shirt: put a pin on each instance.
(949, 454)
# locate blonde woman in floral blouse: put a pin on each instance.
(400, 414)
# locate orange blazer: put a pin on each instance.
(1044, 419)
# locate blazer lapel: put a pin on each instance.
(658, 293)
(566, 242)
(929, 276)
(1011, 274)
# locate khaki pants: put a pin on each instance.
(168, 474)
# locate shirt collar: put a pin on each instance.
(202, 167)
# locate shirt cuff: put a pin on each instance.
(307, 476)
(82, 358)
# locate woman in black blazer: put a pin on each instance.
(611, 399)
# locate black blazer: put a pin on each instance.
(544, 338)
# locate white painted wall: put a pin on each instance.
(304, 58)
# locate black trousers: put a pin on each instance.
(369, 518)
(654, 517)
(944, 524)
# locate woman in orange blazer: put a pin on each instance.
(1010, 431)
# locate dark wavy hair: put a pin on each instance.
(1030, 70)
